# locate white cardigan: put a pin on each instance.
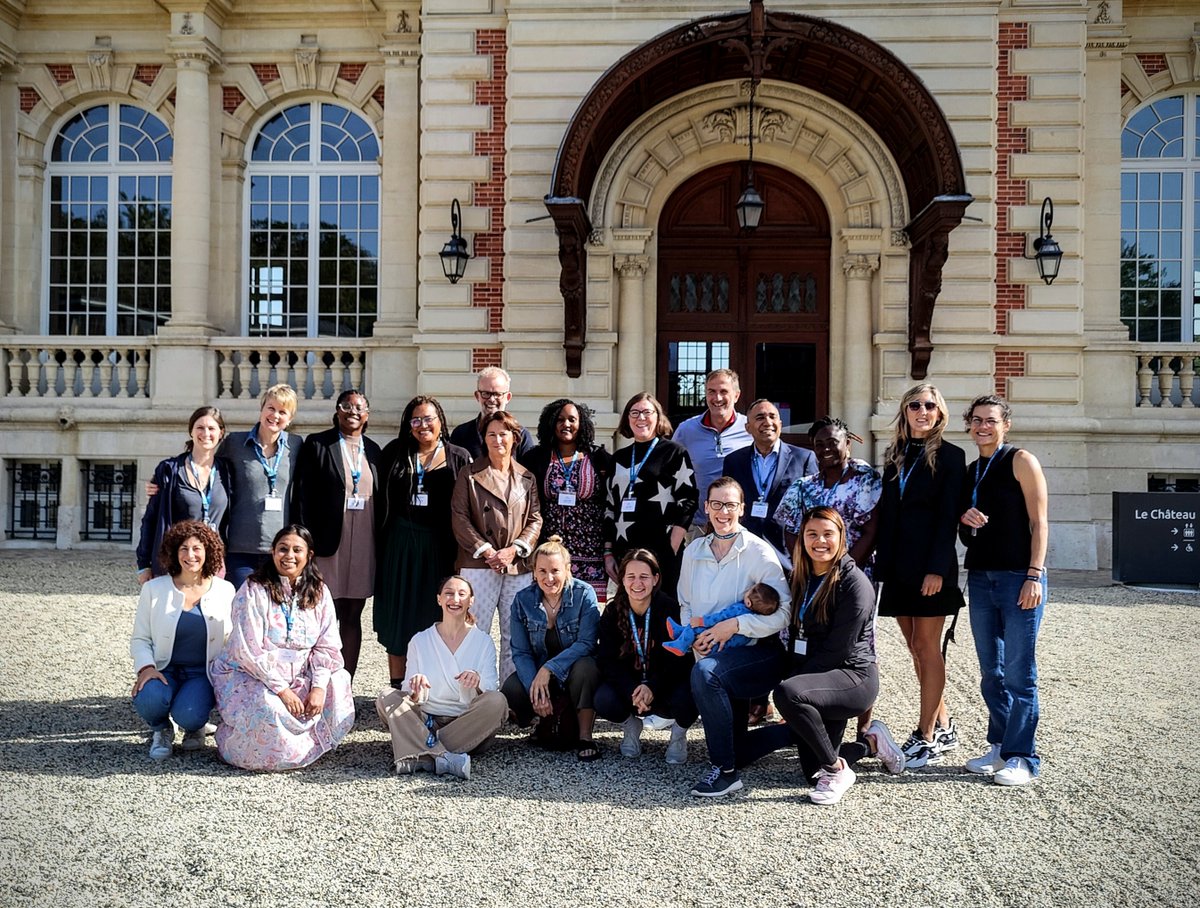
(706, 585)
(428, 655)
(158, 611)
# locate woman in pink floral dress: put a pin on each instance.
(280, 683)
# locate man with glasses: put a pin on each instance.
(713, 435)
(765, 470)
(492, 391)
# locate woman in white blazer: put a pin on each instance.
(183, 618)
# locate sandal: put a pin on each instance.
(588, 752)
(761, 714)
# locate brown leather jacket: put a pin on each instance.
(481, 515)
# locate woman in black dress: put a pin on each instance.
(652, 496)
(416, 546)
(916, 560)
(573, 473)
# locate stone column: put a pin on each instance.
(631, 327)
(9, 103)
(858, 352)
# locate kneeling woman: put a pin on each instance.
(639, 677)
(830, 675)
(554, 628)
(448, 706)
(283, 692)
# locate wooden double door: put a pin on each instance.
(753, 301)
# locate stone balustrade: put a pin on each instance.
(317, 368)
(53, 367)
(1166, 375)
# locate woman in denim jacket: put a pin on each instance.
(555, 624)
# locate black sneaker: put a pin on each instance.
(946, 736)
(918, 752)
(717, 783)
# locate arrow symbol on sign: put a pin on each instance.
(1175, 548)
(1174, 531)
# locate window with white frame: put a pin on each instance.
(313, 224)
(108, 230)
(1160, 220)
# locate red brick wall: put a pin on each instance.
(1124, 89)
(351, 72)
(482, 357)
(1152, 64)
(29, 98)
(231, 98)
(1009, 192)
(266, 72)
(146, 73)
(489, 194)
(61, 72)
(378, 95)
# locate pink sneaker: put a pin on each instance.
(832, 785)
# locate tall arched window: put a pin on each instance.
(109, 226)
(313, 237)
(1160, 220)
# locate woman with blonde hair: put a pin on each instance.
(916, 560)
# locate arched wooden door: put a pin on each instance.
(756, 302)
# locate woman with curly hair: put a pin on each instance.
(572, 473)
(639, 677)
(283, 692)
(414, 540)
(916, 560)
(181, 624)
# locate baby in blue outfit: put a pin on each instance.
(760, 599)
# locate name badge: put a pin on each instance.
(758, 509)
(566, 499)
(272, 503)
(420, 500)
(354, 503)
(799, 646)
(628, 505)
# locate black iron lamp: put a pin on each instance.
(454, 254)
(1046, 251)
(750, 205)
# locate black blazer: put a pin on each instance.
(917, 533)
(318, 487)
(794, 463)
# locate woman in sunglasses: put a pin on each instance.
(916, 560)
(333, 497)
(415, 544)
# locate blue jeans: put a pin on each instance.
(738, 674)
(187, 697)
(240, 565)
(1005, 637)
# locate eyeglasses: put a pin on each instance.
(417, 421)
(917, 406)
(988, 421)
(718, 506)
(491, 395)
(353, 408)
(641, 414)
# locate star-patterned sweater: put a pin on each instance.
(664, 495)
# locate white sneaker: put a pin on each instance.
(193, 740)
(209, 729)
(832, 785)
(161, 742)
(631, 746)
(457, 765)
(886, 749)
(1016, 771)
(677, 747)
(656, 723)
(987, 763)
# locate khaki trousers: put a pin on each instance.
(456, 734)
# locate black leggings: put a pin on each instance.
(614, 702)
(582, 680)
(349, 616)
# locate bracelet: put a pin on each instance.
(1033, 579)
(1040, 570)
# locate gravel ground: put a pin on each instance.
(88, 820)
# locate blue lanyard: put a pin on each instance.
(635, 468)
(287, 614)
(568, 468)
(637, 641)
(206, 492)
(421, 468)
(270, 468)
(903, 476)
(808, 599)
(762, 484)
(356, 465)
(827, 495)
(979, 479)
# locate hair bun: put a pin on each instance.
(556, 539)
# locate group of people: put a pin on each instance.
(764, 589)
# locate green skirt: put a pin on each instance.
(411, 564)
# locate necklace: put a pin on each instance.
(717, 535)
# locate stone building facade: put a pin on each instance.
(201, 197)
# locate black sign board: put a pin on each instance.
(1154, 537)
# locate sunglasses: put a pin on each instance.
(916, 406)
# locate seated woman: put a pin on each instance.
(638, 678)
(181, 624)
(283, 692)
(448, 707)
(554, 627)
(830, 675)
